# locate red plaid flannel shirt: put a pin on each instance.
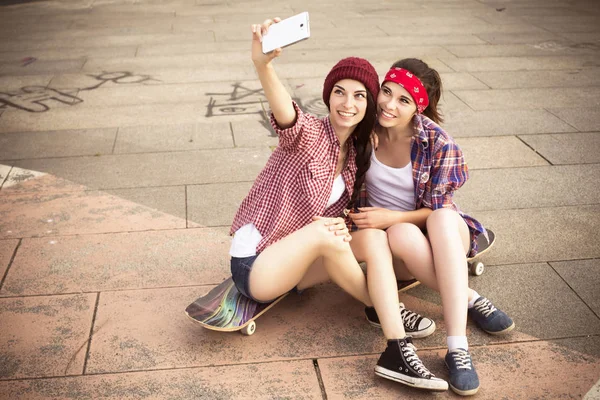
(438, 170)
(296, 183)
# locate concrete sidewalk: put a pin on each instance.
(131, 130)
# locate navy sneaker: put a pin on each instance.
(463, 377)
(489, 318)
(399, 362)
(415, 325)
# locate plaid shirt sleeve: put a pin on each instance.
(296, 137)
(449, 172)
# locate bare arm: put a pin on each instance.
(278, 97)
(381, 218)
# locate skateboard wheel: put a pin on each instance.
(477, 268)
(249, 329)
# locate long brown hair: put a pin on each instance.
(362, 143)
(432, 82)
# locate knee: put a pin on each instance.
(442, 217)
(404, 235)
(327, 240)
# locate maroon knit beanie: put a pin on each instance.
(355, 68)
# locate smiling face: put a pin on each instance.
(347, 103)
(395, 106)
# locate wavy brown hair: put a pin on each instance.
(361, 138)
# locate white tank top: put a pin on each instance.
(246, 239)
(391, 188)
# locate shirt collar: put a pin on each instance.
(420, 129)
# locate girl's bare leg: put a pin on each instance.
(450, 241)
(371, 246)
(285, 264)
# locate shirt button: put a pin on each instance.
(424, 177)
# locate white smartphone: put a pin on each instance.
(289, 31)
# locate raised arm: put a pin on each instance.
(278, 97)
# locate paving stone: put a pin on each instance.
(566, 148)
(530, 98)
(469, 123)
(254, 134)
(167, 199)
(4, 171)
(143, 139)
(21, 181)
(541, 234)
(291, 379)
(585, 119)
(108, 117)
(139, 321)
(208, 206)
(67, 53)
(171, 258)
(42, 67)
(540, 79)
(584, 38)
(473, 28)
(498, 152)
(81, 212)
(44, 336)
(500, 368)
(479, 64)
(21, 44)
(19, 176)
(538, 314)
(543, 186)
(15, 83)
(519, 38)
(7, 249)
(56, 143)
(156, 169)
(549, 48)
(583, 276)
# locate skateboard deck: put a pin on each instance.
(225, 309)
(475, 267)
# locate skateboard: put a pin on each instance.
(475, 267)
(225, 309)
(483, 246)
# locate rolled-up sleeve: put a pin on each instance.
(301, 134)
(449, 172)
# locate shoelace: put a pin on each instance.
(415, 362)
(485, 307)
(462, 359)
(410, 318)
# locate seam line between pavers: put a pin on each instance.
(115, 232)
(550, 112)
(288, 360)
(572, 289)
(187, 220)
(534, 150)
(114, 142)
(12, 258)
(320, 378)
(5, 179)
(89, 340)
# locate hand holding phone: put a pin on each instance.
(289, 31)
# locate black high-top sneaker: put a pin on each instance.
(399, 362)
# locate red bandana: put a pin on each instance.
(412, 84)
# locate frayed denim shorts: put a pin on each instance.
(240, 273)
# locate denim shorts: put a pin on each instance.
(240, 273)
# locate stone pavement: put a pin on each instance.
(130, 130)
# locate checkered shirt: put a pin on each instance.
(438, 170)
(297, 181)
